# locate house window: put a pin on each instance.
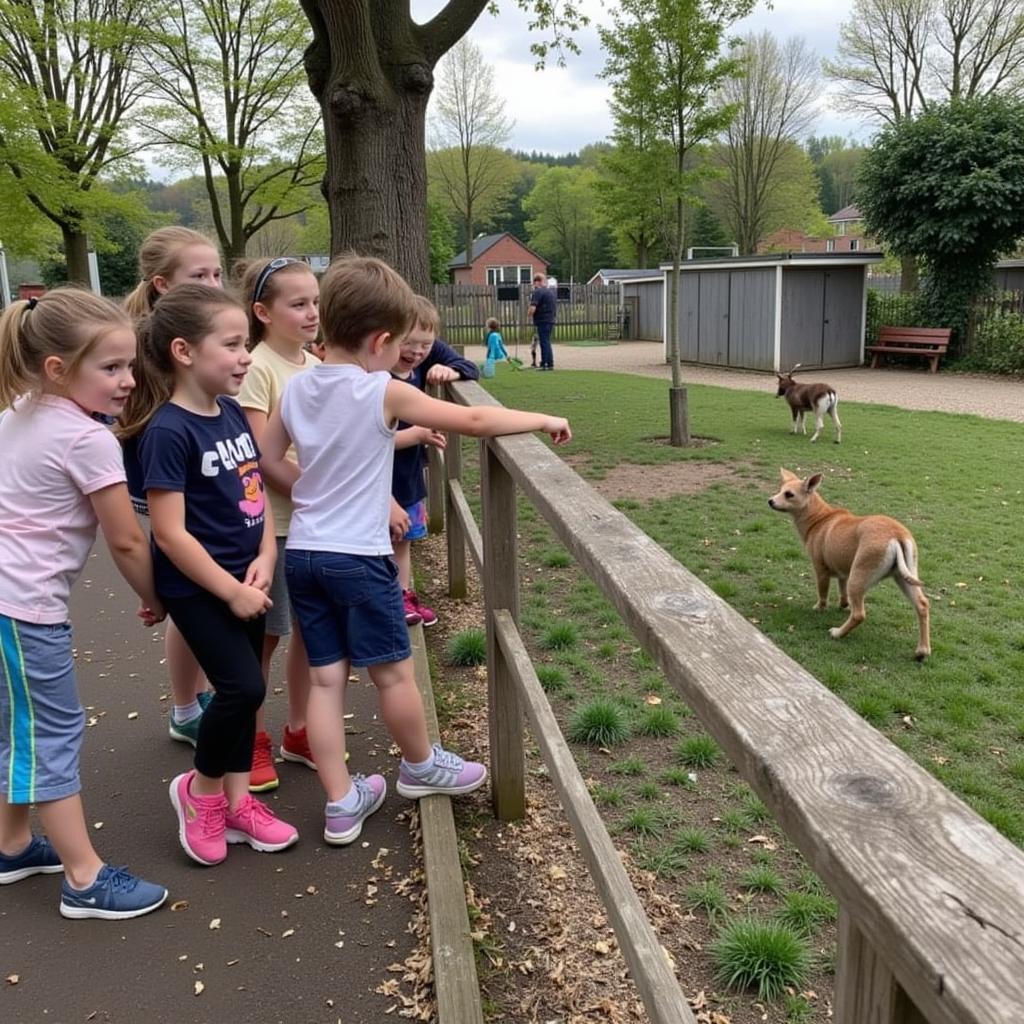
(830, 245)
(841, 228)
(854, 244)
(514, 273)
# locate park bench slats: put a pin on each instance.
(930, 343)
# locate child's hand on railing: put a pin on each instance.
(435, 438)
(557, 428)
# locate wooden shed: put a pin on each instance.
(1009, 275)
(643, 299)
(771, 312)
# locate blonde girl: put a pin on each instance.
(341, 416)
(64, 359)
(213, 554)
(169, 257)
(283, 299)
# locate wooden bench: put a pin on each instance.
(927, 342)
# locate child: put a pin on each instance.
(63, 358)
(423, 359)
(341, 416)
(168, 257)
(534, 343)
(283, 299)
(495, 345)
(213, 555)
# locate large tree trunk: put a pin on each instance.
(371, 68)
(76, 254)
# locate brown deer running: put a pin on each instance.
(804, 398)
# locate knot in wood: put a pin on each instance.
(868, 790)
(683, 604)
(418, 77)
(348, 103)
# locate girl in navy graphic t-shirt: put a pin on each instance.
(213, 555)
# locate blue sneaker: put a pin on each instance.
(115, 894)
(204, 697)
(38, 858)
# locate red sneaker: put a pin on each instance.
(428, 615)
(412, 613)
(295, 747)
(262, 774)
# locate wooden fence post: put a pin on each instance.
(501, 590)
(435, 478)
(866, 991)
(454, 532)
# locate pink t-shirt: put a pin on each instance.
(52, 456)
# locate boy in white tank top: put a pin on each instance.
(342, 578)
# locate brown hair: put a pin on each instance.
(184, 312)
(492, 324)
(247, 275)
(159, 256)
(427, 316)
(66, 322)
(361, 295)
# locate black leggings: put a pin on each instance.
(228, 650)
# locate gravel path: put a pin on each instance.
(996, 398)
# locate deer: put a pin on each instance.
(804, 398)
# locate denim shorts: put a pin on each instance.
(348, 607)
(41, 715)
(279, 615)
(417, 514)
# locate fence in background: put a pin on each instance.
(584, 312)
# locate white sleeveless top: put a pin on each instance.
(334, 414)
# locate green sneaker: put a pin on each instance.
(184, 732)
(204, 698)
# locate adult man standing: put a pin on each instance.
(543, 306)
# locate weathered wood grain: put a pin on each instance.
(937, 892)
(455, 980)
(471, 536)
(455, 529)
(648, 963)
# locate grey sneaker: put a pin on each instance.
(343, 827)
(448, 775)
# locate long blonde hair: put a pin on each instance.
(248, 275)
(184, 312)
(159, 256)
(66, 322)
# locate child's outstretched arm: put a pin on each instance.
(402, 402)
(279, 470)
(412, 436)
(128, 546)
(167, 513)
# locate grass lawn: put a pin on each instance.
(659, 781)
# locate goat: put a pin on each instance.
(804, 398)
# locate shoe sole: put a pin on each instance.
(416, 792)
(81, 913)
(344, 838)
(173, 791)
(19, 873)
(234, 836)
(264, 787)
(287, 755)
(427, 624)
(180, 737)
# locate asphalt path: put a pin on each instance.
(298, 937)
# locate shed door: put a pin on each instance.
(843, 308)
(752, 319)
(803, 309)
(689, 316)
(713, 325)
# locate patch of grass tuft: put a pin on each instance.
(657, 721)
(678, 777)
(552, 678)
(468, 648)
(643, 821)
(663, 861)
(601, 723)
(699, 751)
(762, 878)
(561, 636)
(805, 911)
(692, 840)
(708, 896)
(628, 766)
(764, 956)
(607, 796)
(556, 559)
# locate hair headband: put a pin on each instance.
(267, 271)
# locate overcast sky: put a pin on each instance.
(560, 110)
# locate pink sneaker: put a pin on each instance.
(412, 613)
(428, 615)
(200, 821)
(255, 824)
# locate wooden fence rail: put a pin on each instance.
(931, 896)
(584, 312)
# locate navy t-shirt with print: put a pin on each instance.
(214, 462)
(545, 305)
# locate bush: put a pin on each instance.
(997, 343)
(468, 648)
(762, 955)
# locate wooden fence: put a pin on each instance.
(931, 925)
(584, 312)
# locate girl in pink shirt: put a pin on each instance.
(63, 358)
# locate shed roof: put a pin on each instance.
(791, 259)
(614, 274)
